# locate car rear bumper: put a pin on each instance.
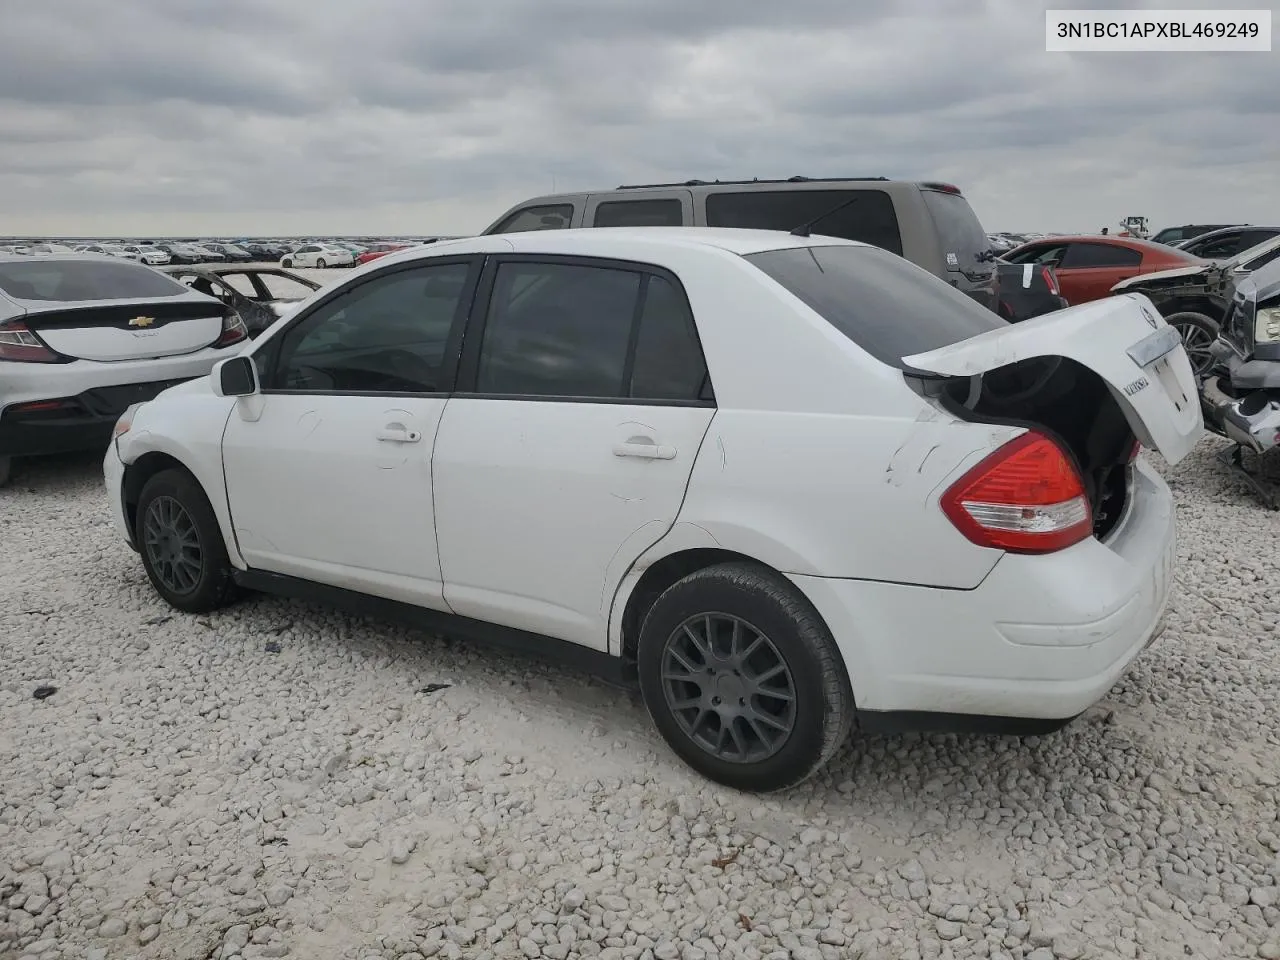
(61, 408)
(1043, 637)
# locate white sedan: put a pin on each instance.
(319, 255)
(143, 253)
(790, 482)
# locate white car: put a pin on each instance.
(83, 336)
(319, 255)
(790, 481)
(151, 256)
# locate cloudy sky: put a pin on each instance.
(434, 116)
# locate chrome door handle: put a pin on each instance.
(644, 451)
(398, 434)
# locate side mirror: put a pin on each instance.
(235, 377)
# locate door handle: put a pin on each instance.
(394, 433)
(644, 450)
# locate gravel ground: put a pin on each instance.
(277, 780)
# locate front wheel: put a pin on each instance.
(286, 263)
(320, 263)
(1198, 332)
(181, 544)
(743, 679)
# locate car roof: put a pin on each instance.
(1223, 231)
(1133, 243)
(586, 241)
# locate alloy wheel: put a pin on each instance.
(1197, 341)
(728, 687)
(173, 546)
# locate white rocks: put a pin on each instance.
(113, 927)
(533, 813)
(278, 894)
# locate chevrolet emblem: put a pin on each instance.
(142, 321)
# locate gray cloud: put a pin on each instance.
(418, 116)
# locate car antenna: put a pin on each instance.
(804, 228)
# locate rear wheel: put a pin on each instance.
(181, 544)
(286, 262)
(320, 263)
(1198, 332)
(743, 679)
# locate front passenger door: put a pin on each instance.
(328, 470)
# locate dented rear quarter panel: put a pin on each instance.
(842, 495)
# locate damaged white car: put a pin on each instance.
(791, 484)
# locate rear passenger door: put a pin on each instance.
(1088, 271)
(564, 453)
(667, 208)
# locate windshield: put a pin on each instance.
(959, 230)
(883, 303)
(73, 280)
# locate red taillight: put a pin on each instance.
(233, 330)
(1027, 497)
(1050, 280)
(1135, 450)
(18, 343)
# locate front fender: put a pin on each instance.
(187, 427)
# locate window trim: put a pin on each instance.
(469, 363)
(268, 369)
(679, 198)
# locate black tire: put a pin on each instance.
(287, 263)
(822, 709)
(211, 586)
(320, 263)
(1198, 331)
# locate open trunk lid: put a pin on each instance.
(129, 330)
(1121, 339)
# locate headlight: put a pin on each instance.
(125, 423)
(1266, 325)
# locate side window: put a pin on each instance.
(668, 362)
(1081, 255)
(551, 217)
(871, 219)
(1042, 253)
(1262, 259)
(1220, 247)
(639, 213)
(388, 335)
(558, 329)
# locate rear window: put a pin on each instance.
(885, 304)
(959, 231)
(871, 220)
(65, 281)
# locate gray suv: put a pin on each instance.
(930, 224)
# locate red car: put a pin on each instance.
(381, 250)
(1088, 267)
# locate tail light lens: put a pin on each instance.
(1050, 280)
(18, 343)
(233, 330)
(1027, 497)
(1135, 450)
